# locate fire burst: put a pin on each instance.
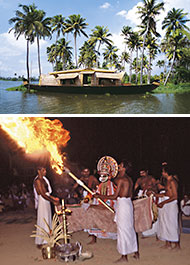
(38, 134)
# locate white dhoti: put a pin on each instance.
(43, 212)
(126, 235)
(168, 225)
(152, 231)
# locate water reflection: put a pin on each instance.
(12, 102)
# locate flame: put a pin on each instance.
(38, 134)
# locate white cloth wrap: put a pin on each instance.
(126, 235)
(43, 212)
(168, 225)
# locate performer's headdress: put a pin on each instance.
(107, 166)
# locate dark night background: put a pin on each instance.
(145, 141)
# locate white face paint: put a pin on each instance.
(103, 177)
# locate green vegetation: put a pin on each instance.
(19, 88)
(141, 47)
(172, 89)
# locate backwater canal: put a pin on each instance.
(16, 102)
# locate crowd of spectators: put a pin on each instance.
(16, 197)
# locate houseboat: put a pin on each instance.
(88, 81)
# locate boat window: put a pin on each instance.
(87, 79)
(106, 81)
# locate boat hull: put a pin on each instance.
(114, 90)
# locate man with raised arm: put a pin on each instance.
(126, 235)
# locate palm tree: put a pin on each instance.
(125, 58)
(138, 44)
(126, 31)
(152, 47)
(22, 26)
(33, 24)
(148, 12)
(174, 23)
(88, 55)
(131, 42)
(58, 26)
(110, 55)
(64, 51)
(76, 24)
(100, 34)
(42, 29)
(172, 46)
(51, 52)
(160, 64)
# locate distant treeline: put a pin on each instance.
(20, 78)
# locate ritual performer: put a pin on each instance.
(168, 225)
(145, 183)
(104, 188)
(42, 191)
(126, 235)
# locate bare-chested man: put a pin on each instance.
(89, 180)
(42, 190)
(126, 236)
(168, 227)
(145, 183)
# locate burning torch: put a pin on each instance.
(86, 188)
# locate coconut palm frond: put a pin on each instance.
(58, 228)
(55, 220)
(42, 230)
(39, 235)
(47, 224)
(58, 237)
(53, 235)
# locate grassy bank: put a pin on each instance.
(172, 89)
(19, 88)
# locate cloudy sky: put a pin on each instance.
(112, 14)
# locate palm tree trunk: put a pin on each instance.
(149, 70)
(171, 68)
(27, 63)
(98, 53)
(143, 48)
(75, 42)
(39, 63)
(136, 81)
(56, 51)
(130, 67)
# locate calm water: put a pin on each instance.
(15, 102)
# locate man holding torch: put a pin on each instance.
(42, 191)
(126, 235)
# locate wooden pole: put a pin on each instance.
(86, 188)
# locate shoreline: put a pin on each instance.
(168, 89)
